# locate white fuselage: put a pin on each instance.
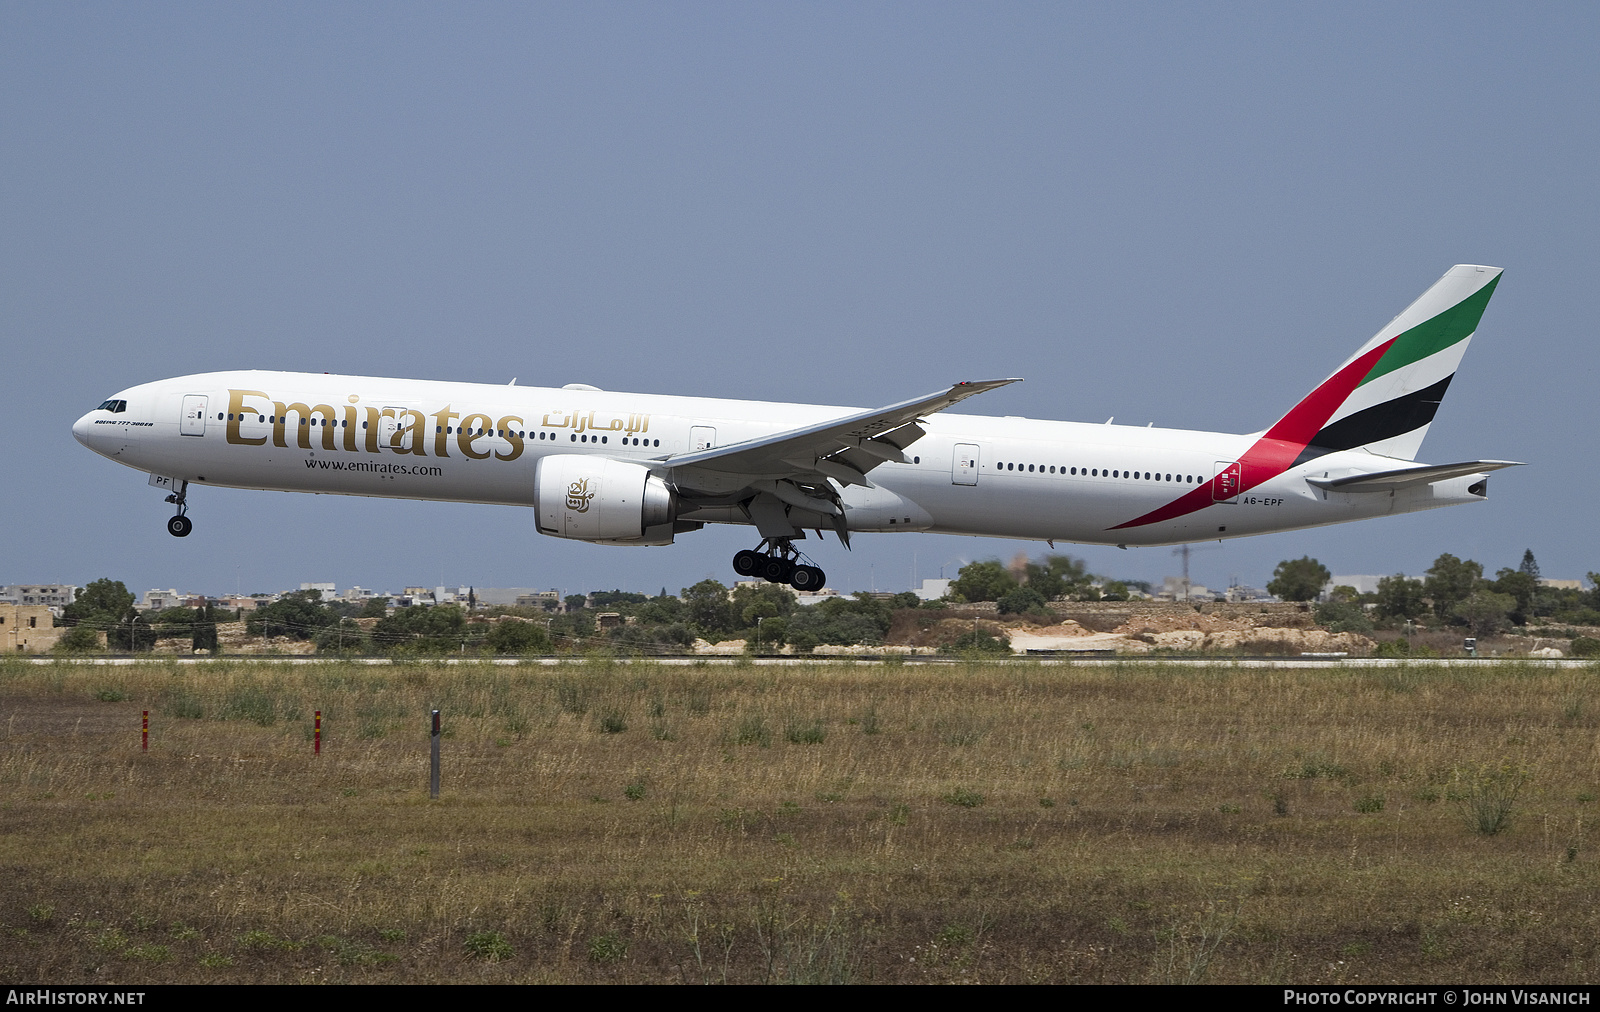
(468, 442)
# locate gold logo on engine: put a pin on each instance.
(578, 496)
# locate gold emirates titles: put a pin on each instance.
(408, 426)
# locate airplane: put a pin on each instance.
(640, 469)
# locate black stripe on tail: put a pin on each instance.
(1381, 421)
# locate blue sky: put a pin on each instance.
(1186, 214)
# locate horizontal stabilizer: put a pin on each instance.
(1400, 477)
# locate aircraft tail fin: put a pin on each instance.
(1383, 398)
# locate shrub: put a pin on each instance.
(489, 946)
(753, 730)
(1586, 646)
(979, 642)
(804, 732)
(80, 639)
(963, 797)
(607, 948)
(1343, 616)
(1488, 797)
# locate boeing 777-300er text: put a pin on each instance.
(640, 469)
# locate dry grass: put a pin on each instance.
(827, 823)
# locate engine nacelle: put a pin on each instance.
(597, 499)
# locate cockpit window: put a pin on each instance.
(113, 406)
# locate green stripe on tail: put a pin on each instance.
(1454, 324)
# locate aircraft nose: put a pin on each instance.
(80, 429)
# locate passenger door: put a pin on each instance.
(964, 470)
(193, 420)
(1225, 487)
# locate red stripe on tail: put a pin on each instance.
(1274, 452)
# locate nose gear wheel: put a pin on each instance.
(179, 525)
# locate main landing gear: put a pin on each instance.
(180, 525)
(778, 561)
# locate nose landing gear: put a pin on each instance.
(778, 561)
(180, 525)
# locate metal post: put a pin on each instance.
(433, 779)
(145, 736)
(316, 746)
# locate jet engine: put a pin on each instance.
(604, 501)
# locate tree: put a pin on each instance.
(345, 638)
(1400, 598)
(1114, 590)
(1298, 579)
(1056, 576)
(100, 605)
(1485, 611)
(844, 621)
(439, 629)
(1521, 587)
(1451, 581)
(612, 598)
(770, 600)
(706, 606)
(1020, 600)
(298, 615)
(376, 607)
(1530, 565)
(131, 632)
(204, 625)
(982, 581)
(516, 636)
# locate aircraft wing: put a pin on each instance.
(843, 448)
(792, 469)
(1421, 474)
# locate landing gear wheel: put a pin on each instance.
(777, 570)
(748, 563)
(808, 579)
(180, 526)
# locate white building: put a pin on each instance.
(1362, 584)
(933, 590)
(160, 600)
(54, 596)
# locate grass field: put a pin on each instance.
(615, 822)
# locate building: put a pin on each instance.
(1173, 589)
(549, 600)
(1362, 584)
(933, 590)
(327, 591)
(490, 596)
(160, 600)
(1562, 584)
(825, 594)
(27, 627)
(51, 595)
